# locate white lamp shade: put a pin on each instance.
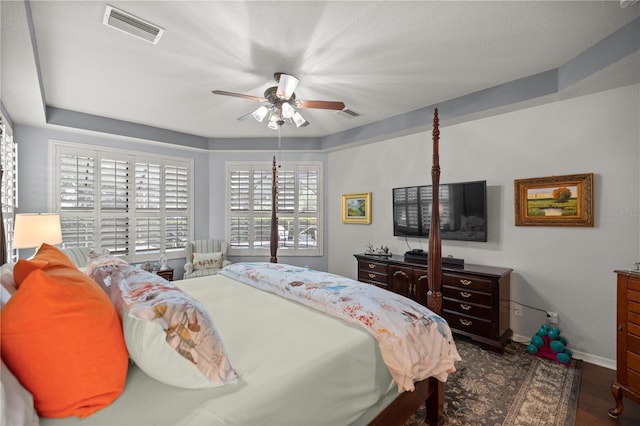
(32, 229)
(299, 120)
(287, 110)
(260, 113)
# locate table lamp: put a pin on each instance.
(30, 230)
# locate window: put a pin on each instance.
(134, 204)
(9, 182)
(249, 189)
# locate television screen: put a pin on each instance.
(463, 211)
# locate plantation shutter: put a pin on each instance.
(77, 199)
(114, 205)
(133, 205)
(249, 200)
(176, 200)
(308, 191)
(148, 201)
(9, 181)
(239, 201)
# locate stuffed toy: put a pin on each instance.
(548, 343)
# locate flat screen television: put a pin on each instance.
(463, 211)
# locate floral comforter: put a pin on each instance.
(415, 343)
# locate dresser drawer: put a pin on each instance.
(463, 308)
(372, 277)
(468, 324)
(467, 282)
(633, 379)
(371, 266)
(633, 343)
(633, 361)
(465, 296)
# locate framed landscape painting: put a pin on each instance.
(356, 208)
(554, 201)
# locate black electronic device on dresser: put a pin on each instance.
(475, 298)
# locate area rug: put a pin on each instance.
(515, 388)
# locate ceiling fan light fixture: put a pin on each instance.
(260, 113)
(286, 85)
(273, 124)
(287, 110)
(299, 120)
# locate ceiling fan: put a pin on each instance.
(281, 103)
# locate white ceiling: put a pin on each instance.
(380, 58)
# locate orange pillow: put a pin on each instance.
(61, 337)
(24, 267)
(46, 258)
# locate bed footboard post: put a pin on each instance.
(435, 404)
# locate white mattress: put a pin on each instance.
(296, 366)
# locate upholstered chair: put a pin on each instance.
(205, 257)
(80, 255)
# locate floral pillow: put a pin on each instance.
(207, 260)
(168, 334)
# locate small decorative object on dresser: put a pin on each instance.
(627, 383)
(475, 297)
(381, 251)
(163, 261)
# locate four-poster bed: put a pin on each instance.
(294, 365)
(430, 391)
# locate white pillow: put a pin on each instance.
(207, 260)
(16, 403)
(168, 334)
(6, 277)
(147, 345)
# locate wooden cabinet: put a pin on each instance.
(475, 298)
(409, 281)
(627, 383)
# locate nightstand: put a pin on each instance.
(167, 274)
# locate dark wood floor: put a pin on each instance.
(595, 399)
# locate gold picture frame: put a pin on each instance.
(554, 201)
(356, 208)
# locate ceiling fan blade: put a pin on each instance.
(286, 86)
(335, 105)
(238, 95)
(245, 117)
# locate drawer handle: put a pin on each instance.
(465, 321)
(465, 282)
(465, 307)
(465, 294)
(372, 266)
(372, 275)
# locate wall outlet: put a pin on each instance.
(552, 317)
(517, 310)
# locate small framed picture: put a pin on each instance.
(356, 208)
(554, 201)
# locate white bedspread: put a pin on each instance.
(296, 366)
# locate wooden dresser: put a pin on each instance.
(627, 383)
(475, 297)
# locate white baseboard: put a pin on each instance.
(593, 359)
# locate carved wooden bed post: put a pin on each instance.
(273, 243)
(434, 260)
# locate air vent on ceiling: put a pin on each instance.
(126, 22)
(348, 113)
